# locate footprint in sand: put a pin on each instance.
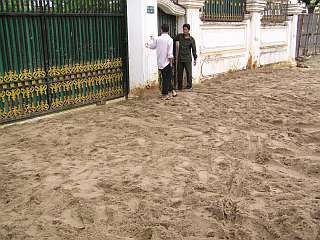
(72, 218)
(313, 137)
(203, 176)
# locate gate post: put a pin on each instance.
(255, 8)
(294, 9)
(142, 24)
(193, 18)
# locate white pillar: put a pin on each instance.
(293, 11)
(193, 18)
(255, 8)
(181, 21)
(255, 40)
(141, 25)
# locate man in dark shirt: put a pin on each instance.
(187, 45)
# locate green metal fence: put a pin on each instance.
(276, 11)
(58, 54)
(223, 10)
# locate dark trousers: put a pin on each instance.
(166, 75)
(181, 66)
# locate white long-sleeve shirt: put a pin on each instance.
(164, 46)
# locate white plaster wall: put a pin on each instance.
(274, 44)
(141, 25)
(274, 34)
(224, 47)
(221, 46)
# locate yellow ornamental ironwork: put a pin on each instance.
(120, 62)
(86, 68)
(78, 84)
(73, 69)
(109, 64)
(10, 77)
(56, 103)
(101, 66)
(78, 68)
(90, 81)
(109, 78)
(16, 111)
(66, 85)
(105, 78)
(28, 91)
(2, 114)
(39, 73)
(44, 106)
(13, 93)
(30, 108)
(3, 95)
(37, 89)
(95, 67)
(58, 86)
(98, 80)
(54, 72)
(53, 103)
(43, 89)
(25, 75)
(65, 70)
(36, 108)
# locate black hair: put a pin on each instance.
(186, 25)
(165, 28)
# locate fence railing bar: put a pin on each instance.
(56, 54)
(223, 10)
(36, 14)
(276, 11)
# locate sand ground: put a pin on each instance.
(237, 158)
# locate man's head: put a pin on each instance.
(186, 29)
(165, 28)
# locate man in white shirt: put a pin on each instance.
(164, 46)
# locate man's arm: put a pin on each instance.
(194, 50)
(175, 40)
(153, 44)
(170, 51)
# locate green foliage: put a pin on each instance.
(312, 4)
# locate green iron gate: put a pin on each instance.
(59, 54)
(168, 19)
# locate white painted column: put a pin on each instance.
(181, 21)
(141, 25)
(151, 29)
(193, 18)
(293, 11)
(255, 8)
